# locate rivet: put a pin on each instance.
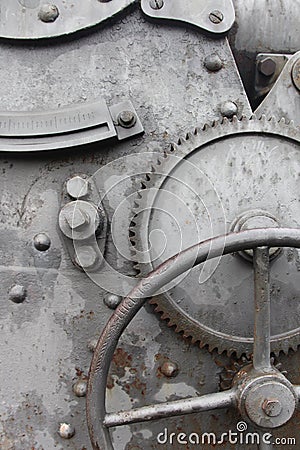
(41, 242)
(17, 294)
(79, 388)
(229, 109)
(156, 4)
(216, 16)
(77, 187)
(213, 62)
(112, 300)
(126, 119)
(66, 430)
(169, 369)
(48, 13)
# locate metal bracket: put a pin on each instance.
(31, 19)
(215, 16)
(66, 127)
(284, 96)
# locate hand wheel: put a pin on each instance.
(260, 392)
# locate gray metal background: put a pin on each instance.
(43, 346)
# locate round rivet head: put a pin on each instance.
(229, 109)
(77, 187)
(17, 294)
(169, 369)
(112, 300)
(48, 13)
(216, 16)
(79, 388)
(156, 4)
(213, 63)
(92, 344)
(86, 257)
(66, 430)
(126, 119)
(42, 242)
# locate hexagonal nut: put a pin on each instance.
(77, 187)
(267, 66)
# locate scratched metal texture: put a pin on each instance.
(43, 341)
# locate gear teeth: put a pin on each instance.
(202, 136)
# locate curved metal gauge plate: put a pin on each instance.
(195, 12)
(19, 19)
(67, 127)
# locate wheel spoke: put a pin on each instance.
(297, 390)
(169, 409)
(261, 350)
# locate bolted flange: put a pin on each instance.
(267, 399)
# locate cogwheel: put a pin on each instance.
(201, 188)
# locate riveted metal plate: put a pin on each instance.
(35, 19)
(215, 16)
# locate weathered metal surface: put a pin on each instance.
(284, 97)
(35, 19)
(161, 68)
(98, 420)
(215, 16)
(199, 189)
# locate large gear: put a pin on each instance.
(219, 173)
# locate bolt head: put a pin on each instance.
(156, 4)
(272, 407)
(112, 300)
(229, 109)
(41, 242)
(66, 430)
(86, 257)
(17, 294)
(267, 66)
(75, 218)
(213, 62)
(126, 119)
(48, 13)
(216, 16)
(169, 369)
(77, 187)
(79, 388)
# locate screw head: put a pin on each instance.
(156, 4)
(229, 109)
(213, 62)
(126, 119)
(169, 369)
(86, 257)
(17, 294)
(48, 13)
(272, 407)
(66, 430)
(79, 388)
(296, 74)
(267, 66)
(216, 16)
(112, 300)
(77, 187)
(41, 242)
